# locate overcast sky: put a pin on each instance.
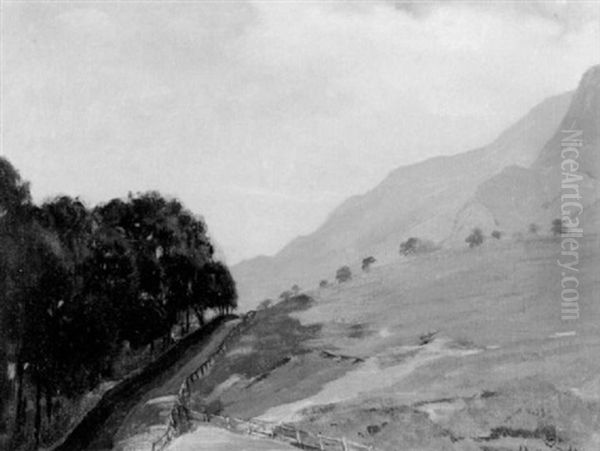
(263, 116)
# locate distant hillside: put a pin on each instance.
(426, 200)
(518, 196)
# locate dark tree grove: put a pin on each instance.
(77, 283)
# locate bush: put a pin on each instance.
(323, 283)
(343, 274)
(367, 262)
(497, 234)
(557, 227)
(409, 246)
(475, 238)
(416, 246)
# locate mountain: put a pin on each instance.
(519, 196)
(438, 199)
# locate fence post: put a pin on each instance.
(344, 445)
(298, 438)
(321, 443)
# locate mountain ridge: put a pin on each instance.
(424, 199)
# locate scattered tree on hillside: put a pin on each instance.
(533, 228)
(497, 234)
(558, 227)
(475, 238)
(367, 262)
(415, 245)
(295, 289)
(409, 246)
(323, 283)
(343, 274)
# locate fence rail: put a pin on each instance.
(281, 431)
(179, 418)
(182, 417)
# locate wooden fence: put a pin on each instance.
(182, 417)
(281, 431)
(179, 418)
(132, 387)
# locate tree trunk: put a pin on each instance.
(48, 403)
(20, 401)
(187, 320)
(38, 412)
(200, 315)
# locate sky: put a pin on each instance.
(264, 116)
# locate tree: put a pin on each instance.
(367, 262)
(497, 234)
(323, 283)
(222, 294)
(295, 289)
(14, 192)
(343, 274)
(475, 238)
(75, 283)
(558, 227)
(533, 228)
(72, 223)
(409, 246)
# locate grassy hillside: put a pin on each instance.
(457, 349)
(421, 200)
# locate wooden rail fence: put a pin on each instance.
(283, 432)
(179, 418)
(182, 417)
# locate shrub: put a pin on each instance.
(367, 262)
(475, 238)
(323, 283)
(497, 234)
(557, 227)
(295, 289)
(343, 274)
(416, 246)
(409, 246)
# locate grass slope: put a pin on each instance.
(497, 371)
